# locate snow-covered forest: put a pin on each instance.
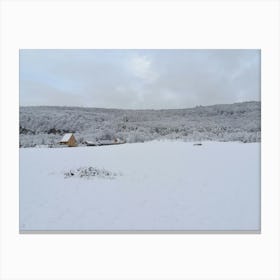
(229, 122)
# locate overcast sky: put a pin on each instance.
(138, 79)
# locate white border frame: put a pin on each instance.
(154, 24)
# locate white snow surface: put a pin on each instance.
(163, 185)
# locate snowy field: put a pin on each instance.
(159, 185)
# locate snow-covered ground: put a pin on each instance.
(159, 185)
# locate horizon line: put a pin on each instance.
(160, 109)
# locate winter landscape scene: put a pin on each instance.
(140, 140)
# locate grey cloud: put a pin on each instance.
(139, 78)
(41, 94)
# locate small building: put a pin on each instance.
(69, 140)
(90, 143)
(104, 142)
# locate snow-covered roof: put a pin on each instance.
(106, 141)
(66, 137)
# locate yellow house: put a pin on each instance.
(69, 140)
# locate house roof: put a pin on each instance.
(66, 137)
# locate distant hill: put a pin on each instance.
(227, 122)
